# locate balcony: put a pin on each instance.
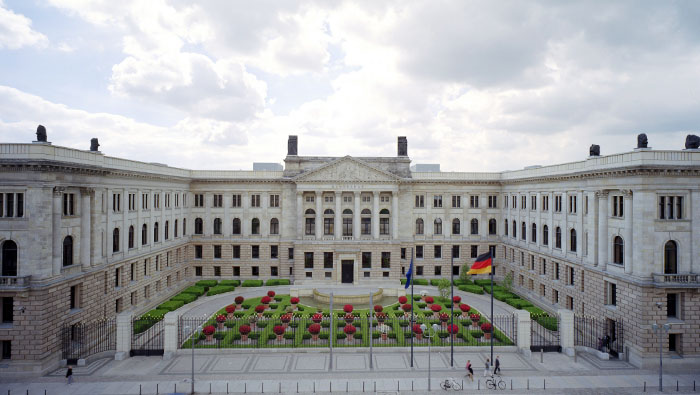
(676, 280)
(14, 282)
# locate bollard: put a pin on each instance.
(375, 386)
(544, 384)
(411, 385)
(528, 384)
(676, 385)
(262, 385)
(330, 386)
(314, 387)
(478, 384)
(297, 387)
(210, 388)
(645, 386)
(511, 385)
(346, 386)
(541, 355)
(226, 388)
(363, 386)
(280, 387)
(139, 389)
(157, 390)
(245, 388)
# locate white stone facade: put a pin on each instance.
(354, 206)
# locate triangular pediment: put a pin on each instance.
(347, 169)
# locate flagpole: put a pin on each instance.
(411, 268)
(493, 328)
(452, 311)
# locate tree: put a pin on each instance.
(508, 282)
(463, 274)
(444, 288)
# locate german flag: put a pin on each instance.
(482, 265)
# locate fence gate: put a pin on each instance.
(147, 338)
(603, 334)
(80, 340)
(544, 334)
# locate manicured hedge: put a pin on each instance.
(535, 311)
(171, 305)
(475, 289)
(484, 282)
(185, 297)
(219, 289)
(518, 303)
(435, 282)
(234, 283)
(252, 283)
(148, 320)
(502, 296)
(416, 281)
(496, 288)
(277, 281)
(206, 284)
(459, 282)
(199, 291)
(550, 323)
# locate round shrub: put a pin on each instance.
(406, 307)
(429, 299)
(474, 316)
(208, 330)
(403, 299)
(286, 318)
(435, 308)
(456, 299)
(317, 317)
(271, 294)
(349, 329)
(464, 307)
(347, 308)
(294, 300)
(278, 330)
(244, 329)
(230, 308)
(265, 300)
(220, 318)
(378, 308)
(417, 330)
(486, 327)
(239, 299)
(314, 329)
(259, 308)
(453, 328)
(444, 316)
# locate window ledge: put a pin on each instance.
(7, 325)
(75, 310)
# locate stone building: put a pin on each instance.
(84, 236)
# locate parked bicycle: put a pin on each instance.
(450, 384)
(495, 382)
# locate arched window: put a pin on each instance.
(144, 235)
(347, 211)
(255, 226)
(515, 229)
(557, 237)
(419, 226)
(328, 212)
(131, 236)
(309, 212)
(68, 251)
(175, 230)
(671, 257)
(310, 222)
(384, 212)
(523, 230)
(166, 235)
(217, 226)
(618, 250)
(155, 232)
(492, 226)
(236, 228)
(533, 233)
(198, 226)
(505, 226)
(9, 258)
(455, 226)
(545, 235)
(384, 222)
(274, 226)
(347, 222)
(184, 226)
(328, 222)
(474, 226)
(572, 240)
(115, 240)
(437, 226)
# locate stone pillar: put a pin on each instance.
(523, 328)
(356, 217)
(538, 218)
(580, 234)
(565, 225)
(566, 331)
(170, 332)
(550, 221)
(338, 217)
(85, 214)
(56, 231)
(319, 215)
(627, 233)
(300, 215)
(395, 215)
(602, 197)
(124, 323)
(375, 214)
(96, 229)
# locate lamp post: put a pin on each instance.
(660, 329)
(426, 332)
(192, 340)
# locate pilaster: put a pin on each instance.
(85, 231)
(375, 214)
(627, 233)
(319, 215)
(56, 230)
(602, 197)
(395, 215)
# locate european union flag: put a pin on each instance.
(409, 274)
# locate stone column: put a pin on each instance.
(375, 214)
(96, 229)
(124, 323)
(300, 215)
(523, 328)
(356, 220)
(338, 218)
(565, 224)
(85, 216)
(395, 215)
(538, 218)
(56, 230)
(566, 331)
(550, 221)
(170, 332)
(602, 197)
(137, 227)
(627, 233)
(319, 215)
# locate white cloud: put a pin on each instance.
(16, 31)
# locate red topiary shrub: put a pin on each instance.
(230, 308)
(378, 308)
(208, 330)
(435, 308)
(347, 308)
(403, 299)
(444, 316)
(314, 329)
(464, 307)
(220, 318)
(271, 294)
(294, 300)
(429, 299)
(239, 299)
(259, 308)
(456, 299)
(417, 330)
(452, 329)
(265, 300)
(486, 327)
(286, 318)
(244, 329)
(474, 316)
(349, 329)
(278, 330)
(318, 317)
(406, 307)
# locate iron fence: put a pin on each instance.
(81, 340)
(148, 337)
(603, 334)
(544, 334)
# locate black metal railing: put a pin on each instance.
(603, 334)
(81, 340)
(544, 334)
(147, 337)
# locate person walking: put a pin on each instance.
(69, 374)
(487, 367)
(470, 371)
(497, 369)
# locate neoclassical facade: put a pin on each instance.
(85, 236)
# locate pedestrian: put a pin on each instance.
(69, 374)
(470, 372)
(487, 367)
(497, 369)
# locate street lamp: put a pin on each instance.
(426, 332)
(661, 329)
(192, 340)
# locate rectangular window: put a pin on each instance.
(116, 202)
(438, 252)
(274, 272)
(557, 204)
(218, 200)
(236, 271)
(75, 297)
(68, 204)
(255, 271)
(492, 201)
(523, 202)
(156, 201)
(7, 349)
(569, 303)
(117, 277)
(198, 271)
(274, 252)
(419, 252)
(310, 228)
(438, 270)
(403, 253)
(329, 199)
(383, 226)
(455, 251)
(474, 251)
(255, 252)
(545, 203)
(670, 207)
(236, 200)
(217, 252)
(419, 270)
(610, 293)
(514, 201)
(571, 275)
(555, 296)
(144, 201)
(308, 260)
(347, 199)
(618, 206)
(347, 226)
(274, 200)
(572, 204)
(437, 201)
(455, 270)
(309, 198)
(492, 249)
(420, 201)
(198, 252)
(672, 305)
(217, 271)
(365, 198)
(474, 201)
(365, 226)
(255, 200)
(328, 260)
(309, 274)
(533, 202)
(132, 201)
(543, 290)
(290, 254)
(236, 252)
(199, 200)
(386, 260)
(556, 270)
(456, 201)
(366, 260)
(134, 298)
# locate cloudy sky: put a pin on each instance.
(475, 86)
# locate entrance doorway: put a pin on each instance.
(347, 268)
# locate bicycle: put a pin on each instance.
(493, 384)
(450, 384)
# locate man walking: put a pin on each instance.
(69, 374)
(497, 369)
(470, 371)
(487, 367)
